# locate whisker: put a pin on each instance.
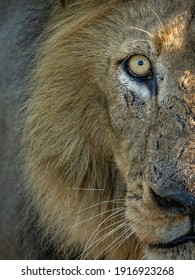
(113, 243)
(139, 232)
(138, 245)
(91, 218)
(95, 233)
(88, 249)
(104, 221)
(160, 21)
(142, 40)
(142, 30)
(108, 235)
(103, 202)
(124, 237)
(97, 242)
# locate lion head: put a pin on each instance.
(110, 130)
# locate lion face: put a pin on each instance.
(151, 107)
(111, 120)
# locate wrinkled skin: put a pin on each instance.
(155, 149)
(132, 137)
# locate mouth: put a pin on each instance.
(172, 244)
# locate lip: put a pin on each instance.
(172, 244)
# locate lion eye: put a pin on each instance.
(139, 66)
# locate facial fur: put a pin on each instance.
(109, 156)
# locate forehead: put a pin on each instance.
(175, 33)
(170, 23)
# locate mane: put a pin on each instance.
(68, 138)
(59, 84)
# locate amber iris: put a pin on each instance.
(139, 65)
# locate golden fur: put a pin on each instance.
(87, 167)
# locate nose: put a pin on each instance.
(175, 202)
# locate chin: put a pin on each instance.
(180, 252)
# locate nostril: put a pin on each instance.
(176, 203)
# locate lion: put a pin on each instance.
(106, 133)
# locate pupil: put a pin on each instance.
(140, 62)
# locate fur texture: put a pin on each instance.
(99, 144)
